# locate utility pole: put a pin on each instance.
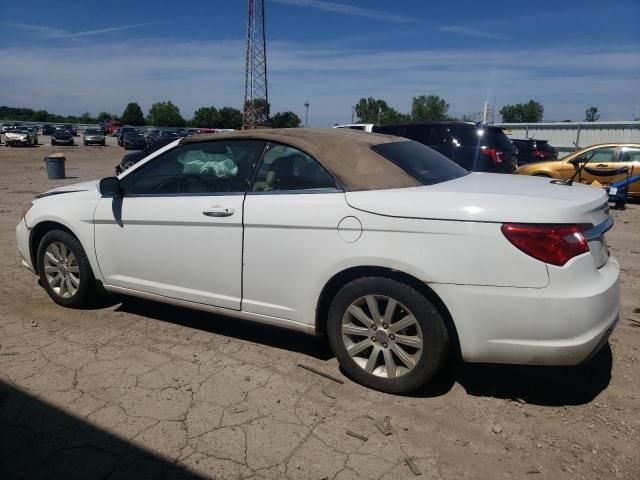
(256, 99)
(353, 114)
(485, 112)
(306, 114)
(493, 111)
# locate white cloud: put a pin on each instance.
(469, 32)
(54, 33)
(348, 10)
(73, 79)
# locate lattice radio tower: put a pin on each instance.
(256, 100)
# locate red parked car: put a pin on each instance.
(114, 126)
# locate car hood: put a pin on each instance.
(486, 197)
(73, 188)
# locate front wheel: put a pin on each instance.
(65, 271)
(387, 335)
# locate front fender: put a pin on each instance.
(74, 212)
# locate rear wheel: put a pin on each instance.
(387, 335)
(544, 175)
(65, 271)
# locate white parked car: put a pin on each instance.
(25, 136)
(393, 251)
(364, 127)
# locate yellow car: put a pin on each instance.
(605, 157)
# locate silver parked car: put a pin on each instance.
(93, 136)
(25, 136)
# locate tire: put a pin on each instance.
(53, 142)
(388, 372)
(543, 175)
(78, 275)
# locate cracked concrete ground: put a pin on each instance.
(134, 389)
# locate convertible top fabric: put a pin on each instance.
(344, 152)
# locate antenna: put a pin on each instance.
(306, 114)
(256, 100)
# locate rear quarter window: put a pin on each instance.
(421, 162)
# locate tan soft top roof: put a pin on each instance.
(344, 152)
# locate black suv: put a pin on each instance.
(478, 148)
(62, 135)
(131, 159)
(531, 150)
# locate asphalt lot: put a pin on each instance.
(135, 389)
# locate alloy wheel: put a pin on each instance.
(61, 270)
(382, 336)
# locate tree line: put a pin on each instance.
(424, 108)
(433, 108)
(161, 114)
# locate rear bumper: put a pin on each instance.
(557, 325)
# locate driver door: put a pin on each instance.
(177, 229)
(599, 158)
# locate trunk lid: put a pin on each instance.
(487, 197)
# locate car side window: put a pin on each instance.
(597, 155)
(425, 135)
(285, 168)
(221, 166)
(629, 155)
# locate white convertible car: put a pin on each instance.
(393, 251)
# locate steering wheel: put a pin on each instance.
(184, 182)
(177, 184)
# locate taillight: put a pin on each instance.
(496, 155)
(539, 153)
(554, 244)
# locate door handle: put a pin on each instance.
(602, 165)
(218, 211)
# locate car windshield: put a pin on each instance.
(421, 162)
(93, 131)
(133, 135)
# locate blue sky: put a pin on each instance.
(70, 57)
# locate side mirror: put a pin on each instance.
(110, 187)
(575, 161)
